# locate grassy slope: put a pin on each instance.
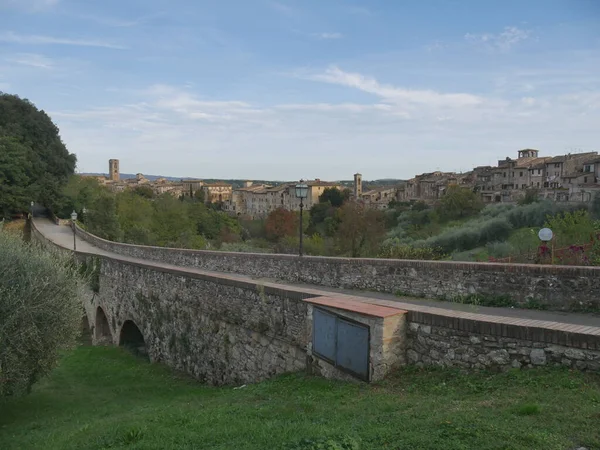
(105, 398)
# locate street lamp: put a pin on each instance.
(73, 219)
(32, 210)
(83, 215)
(301, 193)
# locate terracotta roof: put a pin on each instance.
(217, 185)
(320, 183)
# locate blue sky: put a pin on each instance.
(307, 89)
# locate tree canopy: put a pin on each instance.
(35, 164)
(334, 196)
(459, 202)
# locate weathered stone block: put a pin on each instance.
(537, 357)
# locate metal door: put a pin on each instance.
(353, 348)
(343, 343)
(324, 335)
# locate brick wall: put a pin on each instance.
(552, 287)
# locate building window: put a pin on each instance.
(587, 168)
(585, 179)
(520, 174)
(538, 184)
(557, 165)
(504, 174)
(539, 171)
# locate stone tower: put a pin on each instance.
(113, 169)
(357, 185)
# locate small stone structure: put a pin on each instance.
(387, 337)
(227, 329)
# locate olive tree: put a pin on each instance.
(40, 312)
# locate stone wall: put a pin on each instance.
(551, 287)
(219, 331)
(473, 344)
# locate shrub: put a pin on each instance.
(40, 313)
(495, 230)
(499, 249)
(408, 252)
(244, 247)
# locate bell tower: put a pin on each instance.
(357, 185)
(113, 169)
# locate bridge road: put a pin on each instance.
(63, 236)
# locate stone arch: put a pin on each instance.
(132, 339)
(102, 334)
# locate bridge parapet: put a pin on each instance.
(561, 288)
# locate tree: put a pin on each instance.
(280, 223)
(144, 191)
(47, 165)
(14, 167)
(40, 313)
(595, 207)
(334, 196)
(135, 214)
(360, 231)
(79, 192)
(459, 202)
(531, 196)
(102, 218)
(200, 196)
(171, 221)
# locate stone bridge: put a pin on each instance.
(228, 318)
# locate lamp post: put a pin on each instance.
(301, 193)
(73, 219)
(32, 209)
(84, 215)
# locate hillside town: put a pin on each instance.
(563, 178)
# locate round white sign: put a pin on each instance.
(545, 234)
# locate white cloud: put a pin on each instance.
(15, 38)
(328, 35)
(330, 107)
(528, 101)
(32, 60)
(394, 94)
(503, 42)
(435, 46)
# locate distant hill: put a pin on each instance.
(239, 183)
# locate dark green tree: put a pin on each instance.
(14, 167)
(144, 191)
(47, 165)
(334, 196)
(102, 218)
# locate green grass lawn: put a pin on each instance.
(101, 397)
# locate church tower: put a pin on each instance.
(357, 185)
(113, 169)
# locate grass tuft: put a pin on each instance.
(528, 410)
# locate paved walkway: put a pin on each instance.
(63, 236)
